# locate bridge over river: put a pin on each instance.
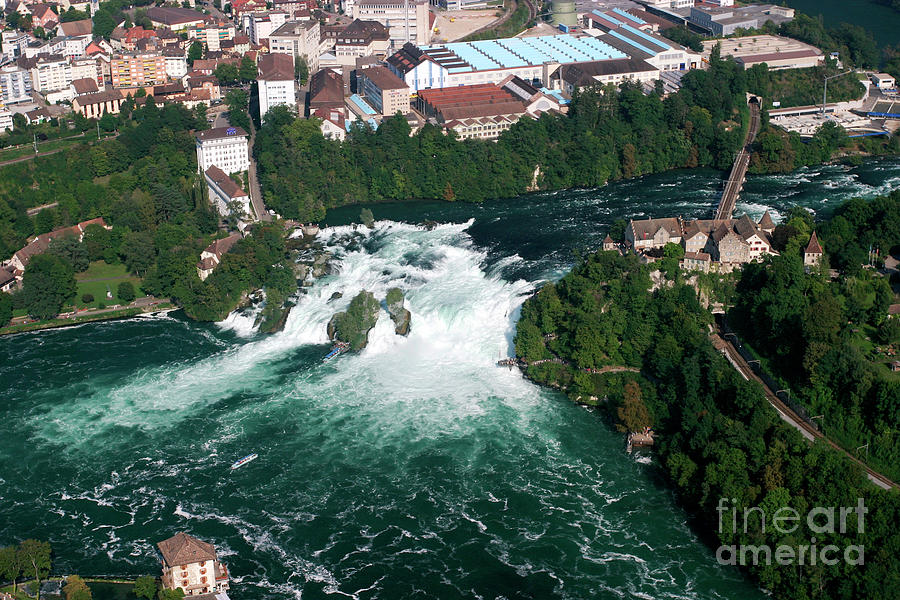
(739, 169)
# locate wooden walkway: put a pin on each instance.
(739, 168)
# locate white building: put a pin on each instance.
(223, 191)
(261, 26)
(176, 63)
(407, 20)
(86, 68)
(883, 81)
(658, 51)
(51, 73)
(276, 82)
(223, 147)
(15, 83)
(6, 122)
(192, 566)
(15, 42)
(299, 39)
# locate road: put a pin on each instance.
(739, 169)
(259, 207)
(787, 414)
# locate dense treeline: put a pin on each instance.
(717, 436)
(607, 134)
(831, 341)
(144, 184)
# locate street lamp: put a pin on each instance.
(825, 93)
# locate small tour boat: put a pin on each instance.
(244, 461)
(338, 348)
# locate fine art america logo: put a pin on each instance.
(820, 520)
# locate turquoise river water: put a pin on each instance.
(414, 469)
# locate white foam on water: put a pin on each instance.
(462, 321)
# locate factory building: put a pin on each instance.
(533, 59)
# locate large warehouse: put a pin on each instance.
(491, 61)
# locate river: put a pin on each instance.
(414, 469)
(881, 21)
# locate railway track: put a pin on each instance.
(788, 414)
(739, 169)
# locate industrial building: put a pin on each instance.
(658, 51)
(491, 61)
(776, 51)
(726, 20)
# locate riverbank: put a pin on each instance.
(89, 316)
(102, 588)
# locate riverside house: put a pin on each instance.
(193, 566)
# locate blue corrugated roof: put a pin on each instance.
(359, 103)
(649, 38)
(630, 41)
(629, 16)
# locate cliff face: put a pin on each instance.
(399, 315)
(353, 326)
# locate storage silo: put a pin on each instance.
(563, 12)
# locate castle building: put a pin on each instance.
(192, 566)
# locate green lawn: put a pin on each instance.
(112, 276)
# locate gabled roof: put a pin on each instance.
(225, 183)
(183, 549)
(647, 228)
(85, 85)
(223, 245)
(746, 228)
(813, 247)
(76, 28)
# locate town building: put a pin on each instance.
(15, 84)
(361, 38)
(14, 43)
(82, 28)
(260, 27)
(385, 92)
(727, 242)
(300, 39)
(294, 8)
(38, 115)
(812, 255)
(726, 20)
(93, 106)
(211, 35)
(776, 51)
(223, 147)
(276, 82)
(334, 122)
(175, 18)
(327, 89)
(225, 191)
(6, 121)
(407, 20)
(176, 62)
(138, 70)
(40, 243)
(647, 234)
(188, 563)
(241, 8)
(51, 73)
(42, 15)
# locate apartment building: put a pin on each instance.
(138, 70)
(212, 35)
(407, 20)
(51, 73)
(276, 82)
(261, 26)
(15, 84)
